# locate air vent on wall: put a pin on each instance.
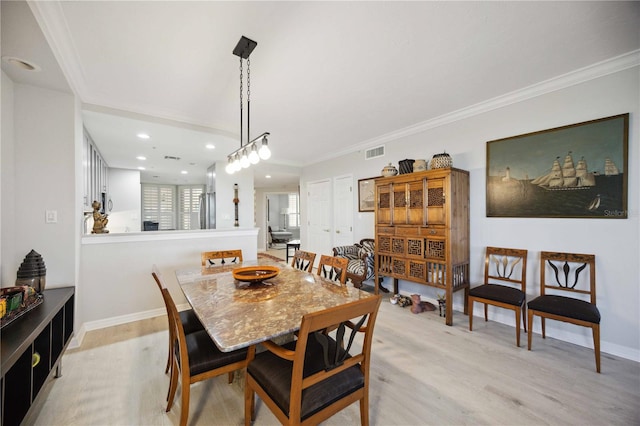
(169, 157)
(374, 152)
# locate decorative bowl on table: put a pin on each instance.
(255, 274)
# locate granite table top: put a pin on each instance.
(238, 314)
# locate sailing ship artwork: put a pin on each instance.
(576, 171)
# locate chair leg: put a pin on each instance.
(364, 409)
(596, 344)
(518, 327)
(524, 315)
(486, 317)
(249, 404)
(470, 314)
(530, 332)
(184, 410)
(231, 376)
(173, 384)
(544, 334)
(170, 382)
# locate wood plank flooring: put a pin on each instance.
(423, 373)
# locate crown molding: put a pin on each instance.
(581, 75)
(50, 17)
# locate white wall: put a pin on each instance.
(43, 178)
(124, 192)
(615, 242)
(115, 270)
(7, 180)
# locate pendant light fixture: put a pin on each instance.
(258, 148)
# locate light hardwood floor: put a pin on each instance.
(423, 373)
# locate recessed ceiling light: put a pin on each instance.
(184, 172)
(268, 176)
(141, 168)
(21, 63)
(143, 136)
(210, 146)
(141, 157)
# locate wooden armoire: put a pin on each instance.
(422, 231)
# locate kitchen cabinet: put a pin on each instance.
(31, 349)
(422, 230)
(96, 172)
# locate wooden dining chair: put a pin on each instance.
(188, 318)
(209, 258)
(561, 274)
(197, 358)
(505, 285)
(303, 260)
(312, 378)
(333, 268)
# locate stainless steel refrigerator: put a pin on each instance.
(208, 210)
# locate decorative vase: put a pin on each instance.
(389, 170)
(32, 272)
(405, 166)
(420, 166)
(441, 161)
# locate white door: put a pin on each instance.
(343, 211)
(319, 217)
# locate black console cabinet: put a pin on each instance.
(44, 332)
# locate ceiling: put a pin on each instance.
(327, 78)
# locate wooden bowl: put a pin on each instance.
(254, 274)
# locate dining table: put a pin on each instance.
(238, 314)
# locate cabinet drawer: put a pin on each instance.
(433, 232)
(386, 230)
(408, 230)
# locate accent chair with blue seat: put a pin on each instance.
(564, 274)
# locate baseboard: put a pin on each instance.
(76, 341)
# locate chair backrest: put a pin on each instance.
(360, 317)
(179, 340)
(209, 258)
(368, 244)
(157, 276)
(303, 260)
(506, 266)
(333, 268)
(568, 272)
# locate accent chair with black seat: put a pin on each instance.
(563, 274)
(505, 284)
(333, 268)
(303, 260)
(197, 358)
(222, 257)
(188, 318)
(306, 381)
(361, 260)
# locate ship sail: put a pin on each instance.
(569, 172)
(610, 168)
(584, 177)
(567, 176)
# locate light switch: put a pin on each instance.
(51, 216)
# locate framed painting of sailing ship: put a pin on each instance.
(575, 171)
